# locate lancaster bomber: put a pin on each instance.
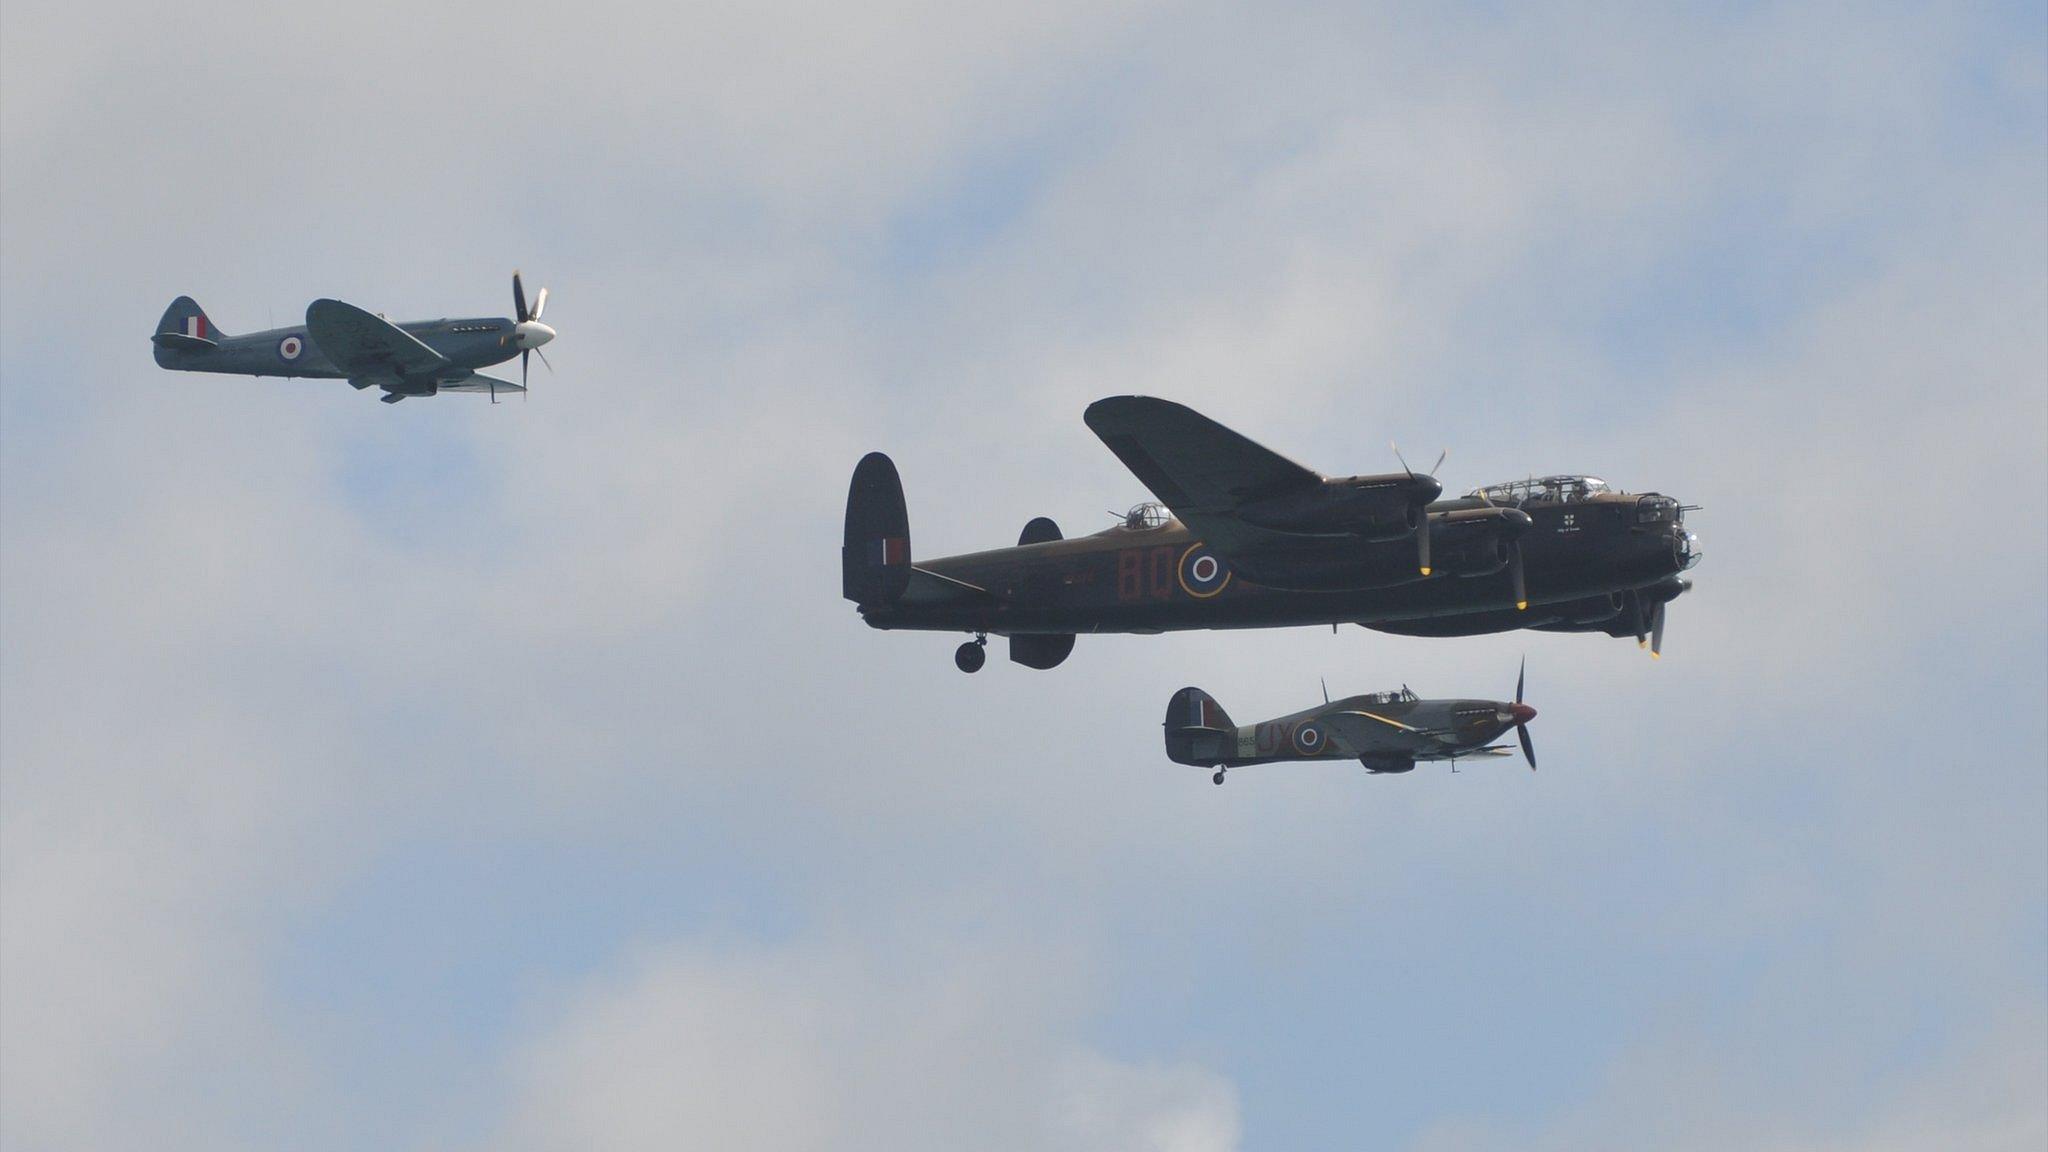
(1250, 539)
(1386, 731)
(342, 341)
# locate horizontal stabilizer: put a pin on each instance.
(180, 340)
(925, 588)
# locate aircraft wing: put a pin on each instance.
(1197, 467)
(364, 345)
(1365, 728)
(478, 382)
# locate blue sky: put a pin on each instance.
(445, 776)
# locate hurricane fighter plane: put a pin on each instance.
(1250, 539)
(1385, 731)
(343, 342)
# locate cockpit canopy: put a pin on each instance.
(1543, 490)
(1404, 696)
(1146, 517)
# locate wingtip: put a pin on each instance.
(1113, 406)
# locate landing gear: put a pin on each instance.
(1217, 778)
(969, 657)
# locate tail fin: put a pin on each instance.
(1040, 530)
(875, 561)
(187, 321)
(1198, 730)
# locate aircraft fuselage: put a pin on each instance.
(1580, 558)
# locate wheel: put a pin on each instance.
(969, 657)
(1218, 777)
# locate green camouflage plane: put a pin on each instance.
(1249, 539)
(343, 342)
(1385, 731)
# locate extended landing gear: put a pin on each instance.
(1217, 778)
(969, 657)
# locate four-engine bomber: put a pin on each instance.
(1249, 539)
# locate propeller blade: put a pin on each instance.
(1657, 633)
(540, 303)
(1401, 458)
(544, 359)
(1521, 675)
(1422, 542)
(1528, 749)
(1515, 572)
(519, 299)
(1440, 458)
(522, 366)
(1635, 602)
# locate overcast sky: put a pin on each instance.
(450, 776)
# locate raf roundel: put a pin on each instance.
(1308, 740)
(1203, 573)
(290, 347)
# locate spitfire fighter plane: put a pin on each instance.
(1386, 731)
(1250, 539)
(342, 341)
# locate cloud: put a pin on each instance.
(821, 1047)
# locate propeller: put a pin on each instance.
(1523, 714)
(528, 329)
(1650, 631)
(1515, 570)
(1422, 522)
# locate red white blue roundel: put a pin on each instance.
(1203, 573)
(290, 347)
(1309, 739)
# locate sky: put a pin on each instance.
(449, 776)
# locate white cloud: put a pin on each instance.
(818, 1047)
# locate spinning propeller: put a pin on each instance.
(1523, 714)
(528, 332)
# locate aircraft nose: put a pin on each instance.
(1522, 713)
(533, 334)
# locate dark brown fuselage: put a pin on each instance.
(1157, 580)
